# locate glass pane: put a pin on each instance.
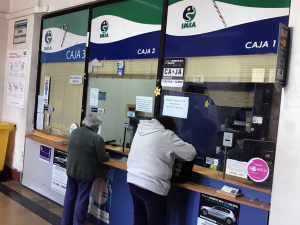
(117, 98)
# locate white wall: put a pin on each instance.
(55, 5)
(23, 118)
(285, 205)
(3, 47)
(4, 6)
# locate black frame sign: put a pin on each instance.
(173, 72)
(282, 56)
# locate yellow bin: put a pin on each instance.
(5, 128)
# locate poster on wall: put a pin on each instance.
(16, 77)
(173, 72)
(227, 27)
(126, 30)
(59, 176)
(46, 90)
(64, 37)
(45, 153)
(100, 196)
(218, 211)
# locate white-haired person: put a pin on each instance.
(86, 149)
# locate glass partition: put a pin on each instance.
(241, 100)
(119, 99)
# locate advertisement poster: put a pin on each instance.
(64, 37)
(218, 211)
(59, 176)
(126, 30)
(173, 75)
(100, 196)
(45, 153)
(16, 77)
(224, 27)
(46, 90)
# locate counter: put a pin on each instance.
(183, 199)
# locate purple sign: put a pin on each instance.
(258, 170)
(45, 153)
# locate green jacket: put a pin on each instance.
(86, 149)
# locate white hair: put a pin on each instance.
(92, 120)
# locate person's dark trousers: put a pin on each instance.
(149, 207)
(76, 201)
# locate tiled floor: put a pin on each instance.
(19, 206)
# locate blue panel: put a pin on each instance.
(253, 216)
(229, 41)
(73, 54)
(130, 48)
(183, 206)
(115, 155)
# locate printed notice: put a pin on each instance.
(94, 97)
(59, 176)
(176, 106)
(16, 76)
(75, 79)
(144, 104)
(236, 168)
(40, 121)
(40, 108)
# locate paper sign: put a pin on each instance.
(258, 170)
(73, 126)
(45, 153)
(46, 90)
(48, 119)
(236, 168)
(59, 176)
(94, 97)
(40, 108)
(258, 120)
(40, 121)
(75, 79)
(227, 140)
(16, 77)
(144, 104)
(176, 106)
(126, 122)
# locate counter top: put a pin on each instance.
(202, 188)
(55, 144)
(214, 174)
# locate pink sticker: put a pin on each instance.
(258, 170)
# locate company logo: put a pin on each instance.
(189, 15)
(48, 37)
(48, 40)
(104, 28)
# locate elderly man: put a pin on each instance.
(85, 151)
